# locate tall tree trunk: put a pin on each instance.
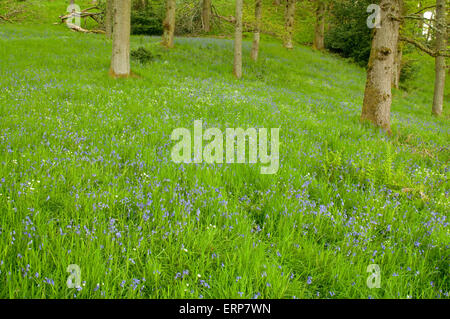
(397, 69)
(319, 28)
(378, 96)
(109, 18)
(289, 17)
(256, 34)
(206, 15)
(330, 14)
(398, 53)
(237, 66)
(120, 61)
(441, 46)
(169, 24)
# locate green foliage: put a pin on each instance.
(143, 55)
(349, 35)
(147, 19)
(408, 75)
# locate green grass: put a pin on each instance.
(86, 176)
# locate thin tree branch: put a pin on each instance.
(426, 8)
(423, 47)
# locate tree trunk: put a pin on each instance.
(256, 35)
(206, 15)
(169, 24)
(109, 18)
(378, 96)
(120, 61)
(237, 67)
(441, 37)
(289, 16)
(398, 52)
(397, 69)
(319, 28)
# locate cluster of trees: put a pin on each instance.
(386, 53)
(385, 61)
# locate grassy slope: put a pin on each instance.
(86, 176)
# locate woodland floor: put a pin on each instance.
(86, 176)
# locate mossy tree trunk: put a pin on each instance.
(169, 24)
(206, 15)
(237, 65)
(441, 46)
(378, 96)
(109, 18)
(289, 19)
(120, 61)
(256, 34)
(319, 27)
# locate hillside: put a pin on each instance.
(86, 176)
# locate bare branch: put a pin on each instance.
(426, 8)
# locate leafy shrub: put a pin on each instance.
(142, 55)
(349, 35)
(147, 19)
(410, 70)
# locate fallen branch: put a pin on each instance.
(80, 15)
(9, 15)
(74, 27)
(6, 19)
